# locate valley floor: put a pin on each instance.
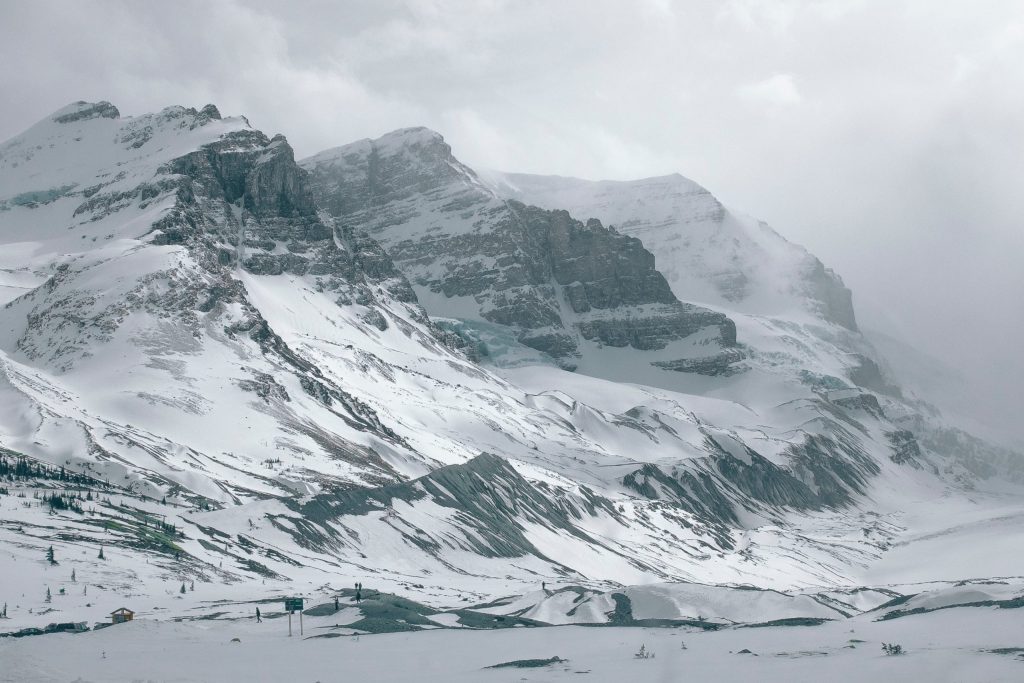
(949, 645)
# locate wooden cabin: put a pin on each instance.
(121, 615)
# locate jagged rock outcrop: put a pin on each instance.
(266, 212)
(556, 281)
(80, 111)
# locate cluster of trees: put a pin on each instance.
(23, 468)
(58, 501)
(892, 649)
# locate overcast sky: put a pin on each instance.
(887, 137)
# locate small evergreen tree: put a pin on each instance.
(72, 576)
(49, 597)
(644, 653)
(101, 554)
(4, 613)
(183, 588)
(50, 556)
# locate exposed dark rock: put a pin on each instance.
(264, 386)
(764, 481)
(88, 110)
(490, 500)
(694, 490)
(862, 401)
(375, 318)
(836, 467)
(721, 364)
(905, 449)
(210, 111)
(528, 663)
(869, 375)
(790, 621)
(834, 300)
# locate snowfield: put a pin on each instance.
(955, 645)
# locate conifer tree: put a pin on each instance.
(49, 597)
(72, 576)
(50, 556)
(101, 554)
(182, 588)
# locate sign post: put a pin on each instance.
(290, 605)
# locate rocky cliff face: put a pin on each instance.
(559, 283)
(708, 253)
(265, 219)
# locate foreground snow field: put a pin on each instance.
(967, 644)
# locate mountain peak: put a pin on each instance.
(425, 145)
(211, 111)
(398, 141)
(80, 111)
(411, 136)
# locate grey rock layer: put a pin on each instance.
(553, 279)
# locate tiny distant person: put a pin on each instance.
(259, 619)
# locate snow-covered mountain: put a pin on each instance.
(795, 317)
(242, 368)
(567, 289)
